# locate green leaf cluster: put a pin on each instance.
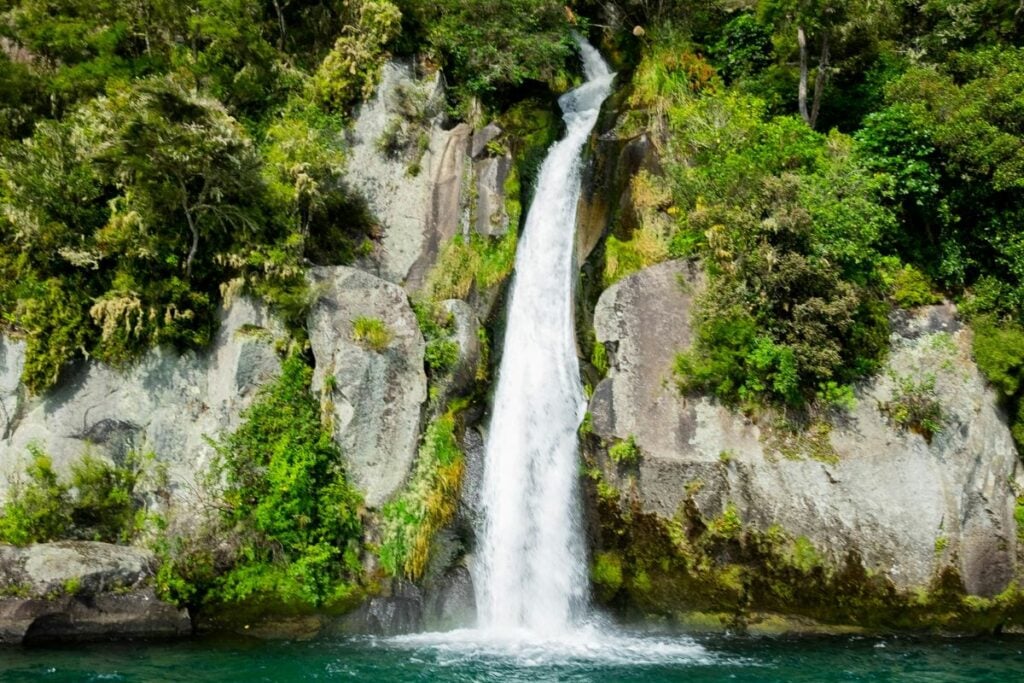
(100, 502)
(286, 500)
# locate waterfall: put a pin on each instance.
(531, 573)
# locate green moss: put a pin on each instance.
(690, 567)
(606, 573)
(599, 358)
(941, 543)
(1018, 514)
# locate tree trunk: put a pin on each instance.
(801, 39)
(280, 21)
(820, 79)
(195, 240)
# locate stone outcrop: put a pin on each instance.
(79, 591)
(166, 403)
(399, 198)
(374, 396)
(907, 507)
(436, 183)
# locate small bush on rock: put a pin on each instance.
(373, 333)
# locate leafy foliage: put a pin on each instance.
(99, 502)
(491, 45)
(426, 505)
(350, 71)
(287, 501)
(625, 452)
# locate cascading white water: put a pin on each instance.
(531, 571)
(530, 575)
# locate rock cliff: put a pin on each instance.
(847, 485)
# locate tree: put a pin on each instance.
(179, 160)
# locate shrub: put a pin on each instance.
(38, 509)
(426, 505)
(441, 354)
(915, 405)
(100, 502)
(350, 71)
(912, 288)
(286, 501)
(105, 504)
(625, 452)
(371, 333)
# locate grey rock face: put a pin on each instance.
(12, 360)
(906, 506)
(76, 591)
(375, 398)
(491, 173)
(167, 403)
(398, 199)
(482, 137)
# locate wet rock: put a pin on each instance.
(450, 602)
(607, 200)
(391, 615)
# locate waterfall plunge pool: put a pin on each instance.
(422, 658)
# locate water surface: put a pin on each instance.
(421, 658)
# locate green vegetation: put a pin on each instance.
(158, 158)
(426, 505)
(625, 452)
(488, 46)
(99, 503)
(293, 520)
(372, 333)
(912, 195)
(606, 574)
(477, 261)
(915, 405)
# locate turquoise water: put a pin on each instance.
(648, 659)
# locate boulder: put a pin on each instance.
(375, 396)
(81, 590)
(906, 506)
(607, 196)
(166, 403)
